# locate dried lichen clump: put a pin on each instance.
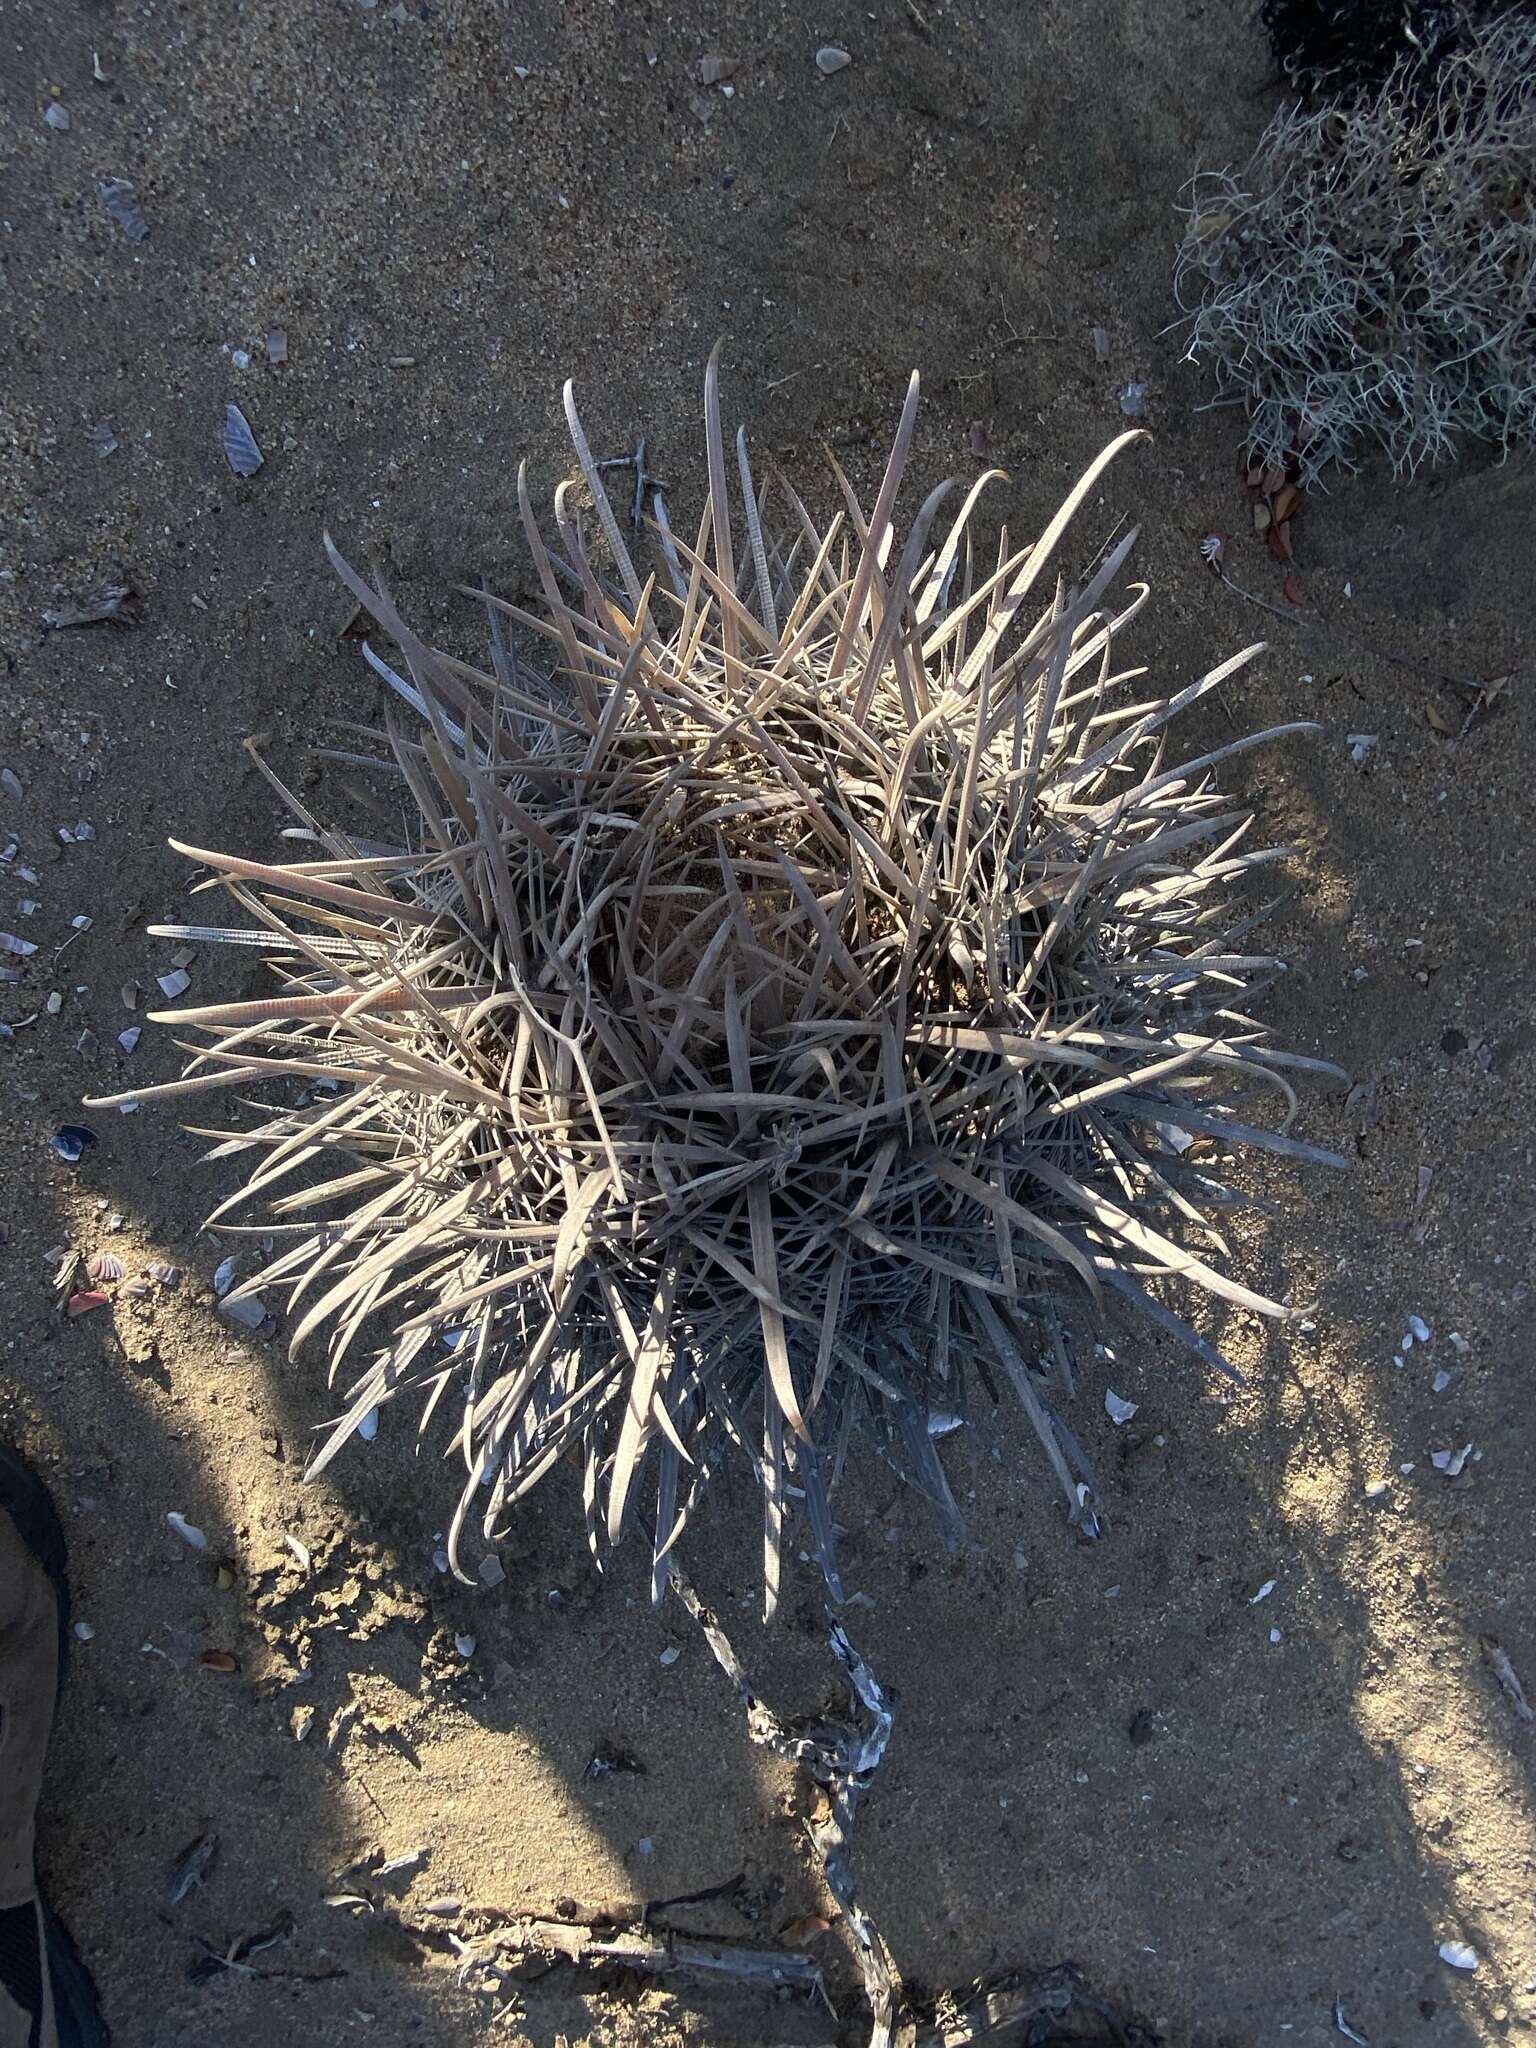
(785, 1008)
(1371, 275)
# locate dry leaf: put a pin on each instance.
(800, 1933)
(1274, 478)
(1439, 719)
(223, 1661)
(1278, 541)
(1292, 589)
(1287, 500)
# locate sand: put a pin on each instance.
(1323, 1786)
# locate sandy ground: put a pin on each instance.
(1333, 1784)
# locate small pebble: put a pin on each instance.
(465, 1645)
(57, 117)
(249, 1311)
(491, 1572)
(1419, 1328)
(1459, 1955)
(189, 1532)
(669, 1655)
(1441, 1381)
(1375, 1488)
(85, 1631)
(830, 58)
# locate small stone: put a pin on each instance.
(249, 1311)
(829, 59)
(189, 1532)
(669, 1655)
(490, 1571)
(57, 117)
(1459, 1955)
